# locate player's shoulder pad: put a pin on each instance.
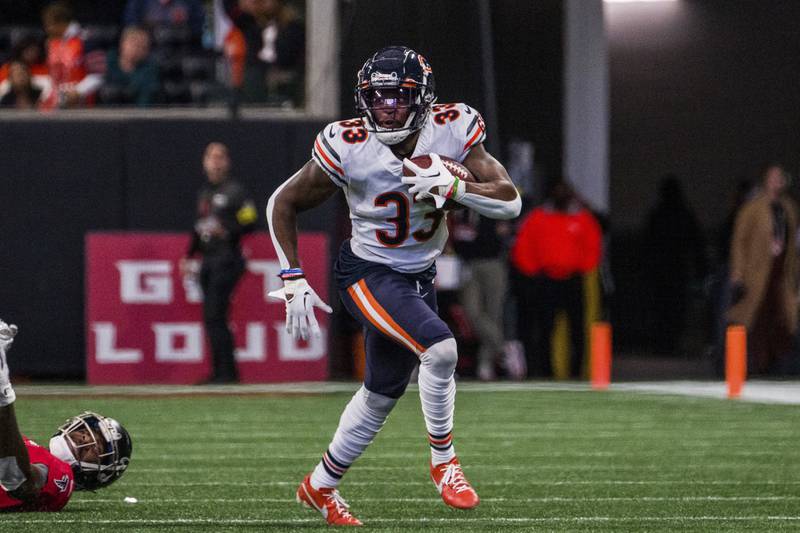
(333, 145)
(465, 124)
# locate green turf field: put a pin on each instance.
(540, 460)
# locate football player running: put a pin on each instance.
(385, 271)
(88, 452)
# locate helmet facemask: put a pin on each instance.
(399, 100)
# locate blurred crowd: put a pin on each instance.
(512, 281)
(503, 285)
(155, 52)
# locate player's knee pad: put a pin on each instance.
(377, 403)
(441, 358)
(11, 477)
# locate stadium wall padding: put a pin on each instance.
(62, 178)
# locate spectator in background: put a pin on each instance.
(151, 14)
(22, 94)
(224, 214)
(673, 256)
(480, 243)
(275, 50)
(764, 272)
(29, 50)
(131, 78)
(75, 71)
(721, 287)
(557, 244)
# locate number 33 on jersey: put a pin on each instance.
(389, 227)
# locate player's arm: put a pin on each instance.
(307, 189)
(16, 475)
(494, 195)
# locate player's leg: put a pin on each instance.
(404, 311)
(360, 422)
(388, 370)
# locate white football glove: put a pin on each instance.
(300, 304)
(7, 333)
(435, 182)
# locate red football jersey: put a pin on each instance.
(56, 491)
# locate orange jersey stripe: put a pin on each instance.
(474, 136)
(320, 151)
(381, 311)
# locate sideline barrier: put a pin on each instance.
(144, 319)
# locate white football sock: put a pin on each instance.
(361, 420)
(437, 393)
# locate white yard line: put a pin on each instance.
(322, 387)
(464, 520)
(775, 392)
(422, 455)
(472, 466)
(483, 483)
(780, 392)
(545, 499)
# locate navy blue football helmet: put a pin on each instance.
(110, 441)
(410, 78)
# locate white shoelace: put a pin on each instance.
(341, 505)
(454, 477)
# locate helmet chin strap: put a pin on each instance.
(390, 137)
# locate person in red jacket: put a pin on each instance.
(87, 452)
(74, 69)
(558, 242)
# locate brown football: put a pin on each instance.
(455, 168)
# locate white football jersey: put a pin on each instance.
(389, 227)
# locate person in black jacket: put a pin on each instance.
(224, 214)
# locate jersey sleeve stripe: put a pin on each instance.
(478, 137)
(331, 174)
(321, 151)
(472, 124)
(329, 148)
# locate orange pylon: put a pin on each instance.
(735, 359)
(601, 355)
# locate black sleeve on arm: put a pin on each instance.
(194, 245)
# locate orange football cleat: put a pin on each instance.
(453, 486)
(328, 502)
